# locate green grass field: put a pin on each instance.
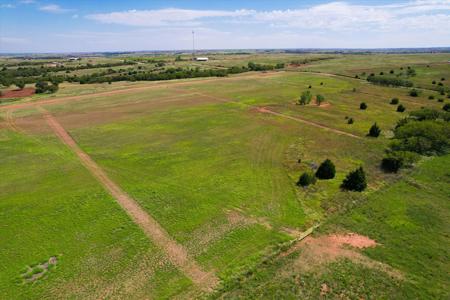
(219, 175)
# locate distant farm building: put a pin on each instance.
(201, 59)
(74, 58)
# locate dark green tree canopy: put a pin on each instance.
(355, 181)
(326, 170)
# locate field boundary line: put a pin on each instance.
(155, 85)
(301, 120)
(174, 251)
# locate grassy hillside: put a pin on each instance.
(409, 220)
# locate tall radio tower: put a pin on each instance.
(193, 45)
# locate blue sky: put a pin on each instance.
(86, 25)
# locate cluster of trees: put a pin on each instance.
(10, 76)
(31, 75)
(45, 87)
(354, 181)
(389, 81)
(306, 97)
(259, 67)
(308, 60)
(424, 132)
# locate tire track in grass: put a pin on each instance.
(174, 251)
(297, 119)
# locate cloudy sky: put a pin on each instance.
(87, 25)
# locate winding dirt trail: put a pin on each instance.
(174, 251)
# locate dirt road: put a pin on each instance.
(174, 251)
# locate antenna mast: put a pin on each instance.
(193, 45)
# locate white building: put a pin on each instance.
(201, 59)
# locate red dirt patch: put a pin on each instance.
(17, 93)
(318, 251)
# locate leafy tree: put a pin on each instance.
(355, 181)
(326, 170)
(320, 99)
(20, 84)
(306, 179)
(305, 98)
(363, 106)
(374, 131)
(431, 97)
(350, 121)
(401, 108)
(426, 137)
(394, 101)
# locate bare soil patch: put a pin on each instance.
(317, 251)
(26, 92)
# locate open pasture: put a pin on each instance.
(213, 161)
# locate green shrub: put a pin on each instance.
(431, 97)
(363, 106)
(414, 93)
(395, 160)
(326, 170)
(355, 181)
(319, 99)
(305, 98)
(307, 178)
(350, 121)
(394, 101)
(446, 107)
(401, 108)
(374, 131)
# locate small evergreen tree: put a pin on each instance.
(394, 101)
(326, 170)
(355, 181)
(350, 121)
(363, 105)
(401, 108)
(306, 179)
(446, 107)
(374, 131)
(431, 97)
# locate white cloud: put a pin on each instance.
(164, 17)
(55, 9)
(7, 5)
(27, 2)
(334, 16)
